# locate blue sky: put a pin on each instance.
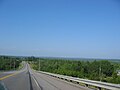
(60, 28)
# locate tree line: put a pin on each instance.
(9, 63)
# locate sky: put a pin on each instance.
(60, 28)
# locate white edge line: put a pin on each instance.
(36, 82)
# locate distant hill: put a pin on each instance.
(67, 58)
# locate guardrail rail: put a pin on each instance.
(98, 84)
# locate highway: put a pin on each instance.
(28, 79)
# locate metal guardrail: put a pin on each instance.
(98, 84)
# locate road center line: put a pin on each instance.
(8, 76)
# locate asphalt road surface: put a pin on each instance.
(28, 79)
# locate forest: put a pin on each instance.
(9, 63)
(100, 70)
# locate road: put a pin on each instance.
(28, 79)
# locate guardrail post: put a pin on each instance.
(86, 85)
(99, 88)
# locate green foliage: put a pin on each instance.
(9, 63)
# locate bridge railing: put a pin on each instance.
(98, 84)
